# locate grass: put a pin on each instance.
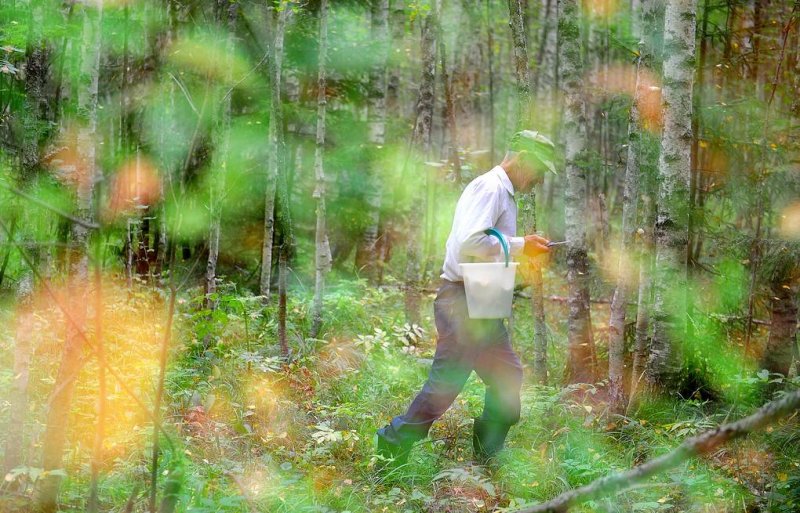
(251, 433)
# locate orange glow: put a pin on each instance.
(621, 79)
(274, 417)
(132, 334)
(789, 221)
(616, 264)
(135, 186)
(601, 8)
(68, 164)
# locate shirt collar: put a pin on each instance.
(503, 177)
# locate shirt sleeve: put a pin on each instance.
(483, 215)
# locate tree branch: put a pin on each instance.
(691, 447)
(36, 201)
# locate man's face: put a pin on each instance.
(532, 170)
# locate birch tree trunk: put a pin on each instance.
(449, 113)
(227, 13)
(581, 357)
(323, 250)
(274, 159)
(644, 303)
(60, 400)
(490, 72)
(630, 200)
(671, 232)
(522, 70)
(523, 80)
(546, 78)
(421, 143)
(367, 260)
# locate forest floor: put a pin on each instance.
(251, 433)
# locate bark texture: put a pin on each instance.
(227, 12)
(671, 229)
(276, 149)
(421, 143)
(323, 250)
(581, 354)
(367, 261)
(519, 37)
(783, 330)
(630, 202)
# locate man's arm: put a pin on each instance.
(486, 247)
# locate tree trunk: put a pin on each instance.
(282, 272)
(644, 303)
(36, 71)
(546, 77)
(523, 81)
(521, 69)
(490, 72)
(276, 149)
(449, 110)
(322, 247)
(671, 233)
(61, 399)
(367, 261)
(630, 199)
(783, 329)
(581, 357)
(421, 143)
(227, 13)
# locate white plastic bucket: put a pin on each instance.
(489, 288)
(490, 285)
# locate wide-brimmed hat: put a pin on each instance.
(537, 145)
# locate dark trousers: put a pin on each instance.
(463, 345)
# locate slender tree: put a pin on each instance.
(644, 302)
(519, 36)
(671, 234)
(85, 175)
(367, 259)
(780, 270)
(449, 110)
(546, 77)
(276, 146)
(421, 145)
(37, 65)
(630, 200)
(581, 357)
(322, 248)
(227, 11)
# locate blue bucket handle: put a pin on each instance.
(502, 238)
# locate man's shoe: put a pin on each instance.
(394, 455)
(487, 439)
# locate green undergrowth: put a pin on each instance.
(251, 431)
(299, 437)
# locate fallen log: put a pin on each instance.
(691, 447)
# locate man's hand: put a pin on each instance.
(535, 246)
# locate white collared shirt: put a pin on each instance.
(487, 202)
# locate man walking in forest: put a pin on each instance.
(482, 345)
